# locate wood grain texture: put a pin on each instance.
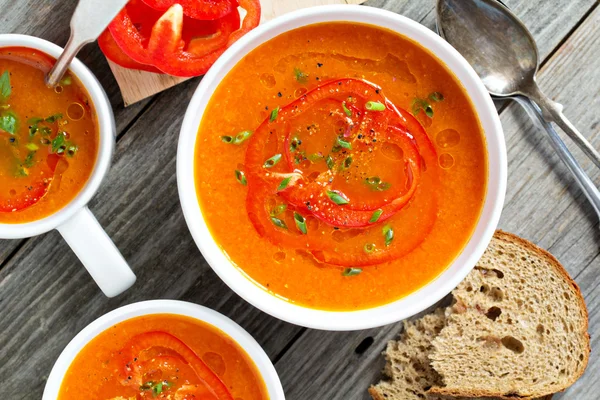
(138, 85)
(46, 297)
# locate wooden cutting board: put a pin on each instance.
(137, 85)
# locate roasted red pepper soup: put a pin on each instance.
(48, 137)
(162, 356)
(341, 166)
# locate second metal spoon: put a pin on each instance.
(504, 54)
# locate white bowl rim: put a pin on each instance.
(211, 317)
(371, 317)
(106, 141)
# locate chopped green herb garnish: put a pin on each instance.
(369, 248)
(436, 96)
(242, 137)
(274, 114)
(66, 81)
(33, 125)
(280, 208)
(278, 222)
(300, 76)
(53, 118)
(375, 216)
(8, 122)
(29, 159)
(346, 109)
(21, 172)
(388, 234)
(347, 162)
(314, 158)
(342, 143)
(284, 183)
(429, 111)
(337, 198)
(374, 106)
(272, 161)
(227, 139)
(58, 142)
(158, 388)
(32, 146)
(300, 223)
(45, 131)
(5, 88)
(240, 176)
(375, 183)
(294, 143)
(351, 271)
(330, 162)
(71, 150)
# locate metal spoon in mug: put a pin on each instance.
(504, 54)
(90, 19)
(494, 42)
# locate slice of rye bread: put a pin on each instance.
(408, 368)
(518, 327)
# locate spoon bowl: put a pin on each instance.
(482, 31)
(504, 54)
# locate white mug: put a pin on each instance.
(75, 222)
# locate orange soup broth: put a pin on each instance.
(31, 98)
(405, 71)
(93, 373)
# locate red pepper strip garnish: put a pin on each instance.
(197, 9)
(200, 46)
(113, 52)
(147, 346)
(169, 56)
(30, 194)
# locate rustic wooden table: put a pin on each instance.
(46, 296)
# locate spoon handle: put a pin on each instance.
(90, 18)
(552, 111)
(584, 181)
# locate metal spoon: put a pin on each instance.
(467, 32)
(90, 19)
(504, 54)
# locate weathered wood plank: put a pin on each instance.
(46, 296)
(543, 205)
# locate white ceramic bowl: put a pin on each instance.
(233, 330)
(74, 221)
(397, 310)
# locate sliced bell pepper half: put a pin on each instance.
(197, 9)
(172, 58)
(113, 52)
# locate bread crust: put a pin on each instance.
(514, 239)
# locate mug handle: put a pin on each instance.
(97, 252)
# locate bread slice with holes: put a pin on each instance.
(408, 368)
(517, 328)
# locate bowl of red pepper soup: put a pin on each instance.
(163, 349)
(341, 167)
(56, 144)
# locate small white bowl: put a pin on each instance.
(397, 310)
(233, 330)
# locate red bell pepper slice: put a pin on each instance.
(146, 349)
(197, 9)
(113, 52)
(31, 193)
(169, 56)
(310, 198)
